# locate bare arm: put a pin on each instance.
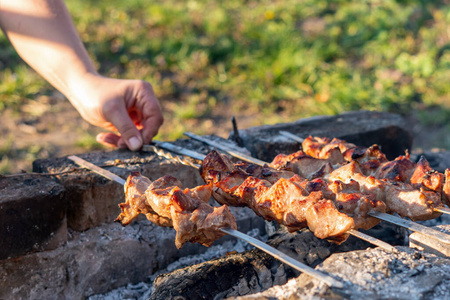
(43, 34)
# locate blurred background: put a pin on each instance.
(263, 62)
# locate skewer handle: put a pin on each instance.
(285, 258)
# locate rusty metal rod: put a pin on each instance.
(262, 246)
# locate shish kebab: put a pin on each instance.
(373, 162)
(202, 157)
(226, 223)
(376, 214)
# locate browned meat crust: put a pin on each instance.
(409, 189)
(165, 203)
(446, 188)
(289, 201)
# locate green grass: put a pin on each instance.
(283, 60)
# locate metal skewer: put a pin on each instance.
(443, 210)
(433, 233)
(330, 281)
(284, 258)
(291, 136)
(96, 169)
(186, 152)
(226, 149)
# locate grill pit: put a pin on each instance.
(87, 255)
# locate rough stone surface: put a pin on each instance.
(372, 274)
(248, 272)
(32, 215)
(428, 244)
(92, 199)
(364, 128)
(100, 259)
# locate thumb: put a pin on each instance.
(128, 131)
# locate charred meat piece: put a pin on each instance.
(217, 162)
(289, 201)
(400, 169)
(135, 202)
(302, 164)
(325, 220)
(425, 177)
(165, 203)
(314, 146)
(226, 176)
(352, 172)
(399, 197)
(337, 151)
(446, 188)
(369, 159)
(407, 201)
(351, 201)
(265, 172)
(223, 188)
(284, 201)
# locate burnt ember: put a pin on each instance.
(249, 272)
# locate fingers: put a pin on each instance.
(128, 107)
(150, 109)
(117, 113)
(108, 139)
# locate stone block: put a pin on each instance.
(32, 215)
(100, 259)
(93, 199)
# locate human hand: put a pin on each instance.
(127, 107)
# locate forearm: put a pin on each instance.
(43, 34)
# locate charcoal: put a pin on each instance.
(248, 272)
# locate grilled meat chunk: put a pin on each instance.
(165, 203)
(446, 188)
(135, 202)
(302, 164)
(425, 177)
(321, 147)
(400, 197)
(327, 222)
(289, 201)
(400, 169)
